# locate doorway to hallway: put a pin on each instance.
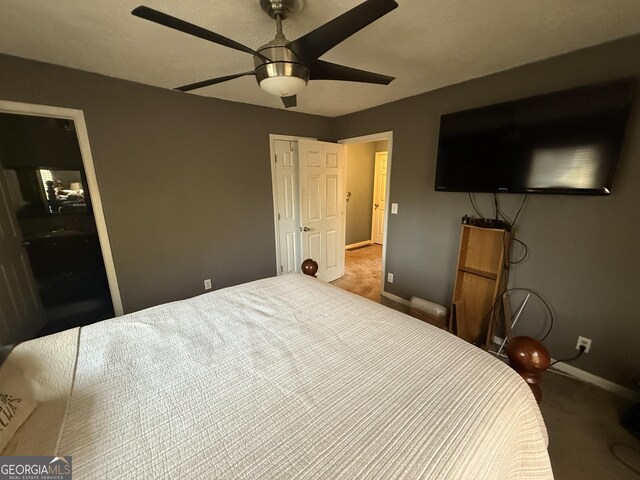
(368, 162)
(367, 172)
(363, 272)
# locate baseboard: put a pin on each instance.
(597, 381)
(578, 374)
(561, 367)
(396, 298)
(358, 245)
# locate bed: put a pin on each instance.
(286, 377)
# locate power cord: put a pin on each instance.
(535, 294)
(475, 208)
(575, 357)
(499, 211)
(524, 200)
(524, 255)
(511, 224)
(617, 446)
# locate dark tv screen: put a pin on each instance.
(564, 142)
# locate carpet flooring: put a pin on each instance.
(583, 422)
(363, 272)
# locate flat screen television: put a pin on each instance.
(563, 142)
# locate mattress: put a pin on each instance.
(289, 377)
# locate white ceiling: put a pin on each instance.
(426, 44)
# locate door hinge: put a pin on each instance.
(278, 215)
(281, 269)
(275, 158)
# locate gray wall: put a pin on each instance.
(185, 180)
(55, 146)
(584, 250)
(187, 195)
(360, 168)
(382, 145)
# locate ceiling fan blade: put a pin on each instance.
(289, 102)
(314, 44)
(322, 70)
(186, 27)
(212, 81)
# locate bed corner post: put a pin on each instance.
(530, 359)
(309, 267)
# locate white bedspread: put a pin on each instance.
(41, 370)
(292, 378)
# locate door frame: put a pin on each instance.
(274, 188)
(373, 137)
(77, 116)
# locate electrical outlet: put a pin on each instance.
(390, 277)
(584, 341)
(207, 284)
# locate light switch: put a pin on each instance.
(394, 208)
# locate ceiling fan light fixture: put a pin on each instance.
(283, 86)
(283, 79)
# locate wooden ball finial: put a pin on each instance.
(530, 359)
(310, 267)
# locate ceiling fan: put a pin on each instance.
(284, 67)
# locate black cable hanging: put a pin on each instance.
(570, 359)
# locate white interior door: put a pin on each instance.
(322, 206)
(287, 205)
(21, 312)
(379, 197)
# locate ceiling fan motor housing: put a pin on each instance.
(285, 66)
(284, 8)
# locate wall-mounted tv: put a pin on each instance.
(563, 142)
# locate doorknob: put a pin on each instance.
(304, 229)
(376, 205)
